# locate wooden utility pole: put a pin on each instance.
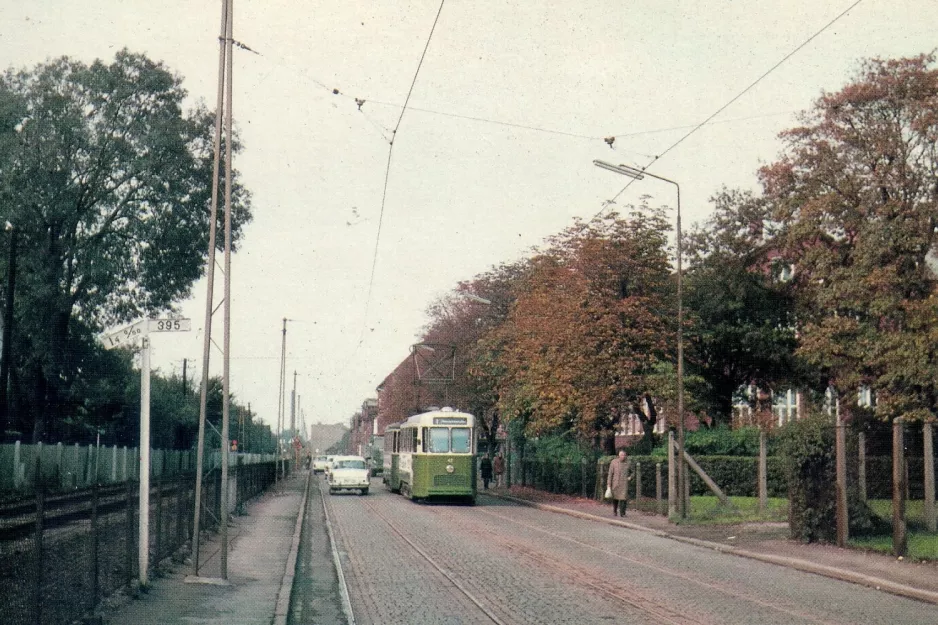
(843, 518)
(929, 448)
(899, 536)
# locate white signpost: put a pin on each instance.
(125, 338)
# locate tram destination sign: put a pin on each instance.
(449, 420)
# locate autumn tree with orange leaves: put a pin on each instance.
(591, 322)
(463, 319)
(855, 197)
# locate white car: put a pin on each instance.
(320, 463)
(349, 473)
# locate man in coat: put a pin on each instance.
(618, 482)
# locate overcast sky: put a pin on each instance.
(493, 155)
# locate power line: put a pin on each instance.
(383, 130)
(387, 175)
(734, 99)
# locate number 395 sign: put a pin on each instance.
(132, 334)
(170, 325)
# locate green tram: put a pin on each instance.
(432, 455)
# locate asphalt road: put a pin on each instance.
(498, 562)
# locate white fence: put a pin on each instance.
(66, 467)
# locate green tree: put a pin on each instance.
(108, 182)
(743, 312)
(857, 205)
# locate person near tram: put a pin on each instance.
(498, 466)
(485, 470)
(617, 482)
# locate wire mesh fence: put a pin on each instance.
(891, 496)
(567, 477)
(61, 553)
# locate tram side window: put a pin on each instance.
(412, 442)
(462, 440)
(439, 440)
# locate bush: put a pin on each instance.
(807, 446)
(808, 449)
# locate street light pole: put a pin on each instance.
(638, 174)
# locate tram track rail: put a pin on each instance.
(722, 588)
(18, 520)
(446, 573)
(630, 597)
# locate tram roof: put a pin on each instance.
(436, 417)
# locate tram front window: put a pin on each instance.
(462, 440)
(439, 440)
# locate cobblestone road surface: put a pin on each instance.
(498, 562)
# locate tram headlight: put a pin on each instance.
(450, 468)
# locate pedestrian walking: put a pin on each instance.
(498, 465)
(485, 470)
(617, 482)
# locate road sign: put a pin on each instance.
(124, 337)
(132, 333)
(170, 325)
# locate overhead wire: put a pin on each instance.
(387, 176)
(384, 130)
(697, 127)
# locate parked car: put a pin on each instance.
(320, 463)
(349, 473)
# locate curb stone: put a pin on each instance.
(282, 609)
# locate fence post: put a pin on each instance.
(94, 545)
(583, 463)
(672, 478)
(37, 541)
(159, 514)
(843, 519)
(899, 537)
(508, 457)
(861, 472)
(763, 474)
(129, 543)
(180, 517)
(638, 483)
(659, 507)
(929, 448)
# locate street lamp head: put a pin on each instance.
(476, 298)
(625, 170)
(8, 226)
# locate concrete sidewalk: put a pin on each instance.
(261, 563)
(766, 542)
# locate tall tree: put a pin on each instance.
(856, 199)
(108, 182)
(592, 318)
(464, 319)
(744, 326)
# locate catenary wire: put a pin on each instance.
(387, 176)
(607, 203)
